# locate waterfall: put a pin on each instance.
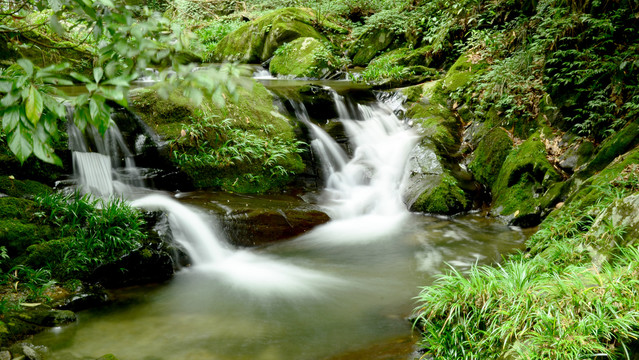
(370, 182)
(107, 170)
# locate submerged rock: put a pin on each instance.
(260, 219)
(256, 41)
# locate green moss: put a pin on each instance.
(22, 188)
(437, 124)
(489, 156)
(209, 129)
(445, 198)
(303, 57)
(18, 235)
(16, 208)
(524, 175)
(49, 253)
(257, 41)
(589, 191)
(613, 146)
(369, 44)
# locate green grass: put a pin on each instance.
(573, 295)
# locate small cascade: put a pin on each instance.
(370, 182)
(190, 229)
(102, 164)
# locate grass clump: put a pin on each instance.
(574, 295)
(71, 236)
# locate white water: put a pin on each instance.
(107, 170)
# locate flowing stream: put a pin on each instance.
(343, 290)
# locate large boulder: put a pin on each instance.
(256, 41)
(370, 44)
(247, 146)
(303, 57)
(400, 67)
(524, 178)
(489, 156)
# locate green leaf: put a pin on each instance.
(27, 66)
(20, 143)
(34, 105)
(10, 119)
(97, 74)
(10, 99)
(80, 77)
(5, 86)
(54, 23)
(45, 152)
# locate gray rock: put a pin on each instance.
(5, 355)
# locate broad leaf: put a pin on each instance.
(27, 66)
(10, 99)
(45, 152)
(10, 119)
(34, 105)
(80, 77)
(97, 74)
(20, 143)
(54, 23)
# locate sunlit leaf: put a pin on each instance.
(34, 105)
(10, 99)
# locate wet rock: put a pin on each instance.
(576, 155)
(256, 41)
(47, 317)
(304, 57)
(258, 220)
(143, 266)
(623, 214)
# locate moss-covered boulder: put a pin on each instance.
(11, 186)
(257, 41)
(303, 57)
(247, 146)
(524, 178)
(446, 197)
(615, 145)
(370, 44)
(399, 68)
(489, 156)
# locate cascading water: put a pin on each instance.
(319, 296)
(98, 160)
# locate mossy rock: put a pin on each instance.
(257, 41)
(588, 191)
(18, 235)
(107, 357)
(48, 252)
(16, 208)
(525, 175)
(253, 115)
(489, 156)
(437, 124)
(446, 198)
(615, 145)
(22, 188)
(303, 57)
(370, 44)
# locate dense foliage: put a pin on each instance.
(71, 236)
(572, 296)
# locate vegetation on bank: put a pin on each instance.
(53, 244)
(572, 295)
